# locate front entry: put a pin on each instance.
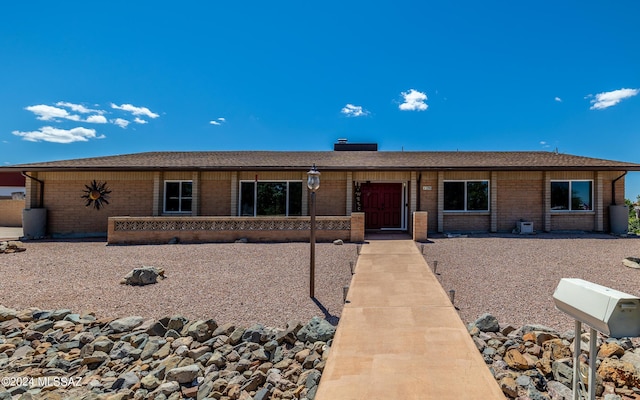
(382, 205)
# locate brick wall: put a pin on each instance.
(215, 197)
(331, 198)
(467, 222)
(519, 196)
(572, 222)
(131, 194)
(11, 212)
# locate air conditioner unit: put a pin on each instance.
(524, 227)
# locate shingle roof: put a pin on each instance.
(333, 160)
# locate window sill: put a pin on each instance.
(572, 212)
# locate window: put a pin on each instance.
(270, 198)
(572, 195)
(177, 196)
(466, 196)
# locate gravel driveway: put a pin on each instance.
(513, 277)
(238, 283)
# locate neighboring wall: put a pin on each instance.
(11, 212)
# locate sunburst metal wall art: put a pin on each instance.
(96, 194)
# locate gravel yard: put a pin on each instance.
(237, 283)
(513, 277)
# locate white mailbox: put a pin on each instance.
(614, 313)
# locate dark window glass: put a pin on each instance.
(572, 195)
(172, 196)
(478, 196)
(186, 205)
(272, 198)
(178, 196)
(560, 195)
(295, 198)
(581, 195)
(247, 199)
(454, 196)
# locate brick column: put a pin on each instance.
(598, 202)
(420, 223)
(357, 227)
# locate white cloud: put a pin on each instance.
(96, 119)
(140, 121)
(135, 110)
(218, 121)
(48, 113)
(608, 99)
(354, 111)
(78, 108)
(558, 99)
(122, 123)
(55, 135)
(414, 101)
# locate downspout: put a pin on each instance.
(418, 190)
(613, 188)
(41, 202)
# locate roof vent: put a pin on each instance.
(342, 145)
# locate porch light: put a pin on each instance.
(313, 183)
(313, 179)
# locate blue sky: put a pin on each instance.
(84, 79)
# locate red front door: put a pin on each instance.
(382, 205)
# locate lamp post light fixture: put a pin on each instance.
(313, 183)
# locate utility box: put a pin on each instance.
(524, 227)
(614, 313)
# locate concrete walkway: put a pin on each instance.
(399, 337)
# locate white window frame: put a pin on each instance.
(255, 193)
(180, 197)
(570, 185)
(466, 197)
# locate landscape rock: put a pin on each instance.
(126, 324)
(487, 323)
(316, 330)
(11, 247)
(169, 358)
(143, 276)
(631, 262)
(535, 362)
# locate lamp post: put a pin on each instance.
(313, 183)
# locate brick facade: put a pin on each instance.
(514, 196)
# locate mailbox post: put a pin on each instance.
(614, 313)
